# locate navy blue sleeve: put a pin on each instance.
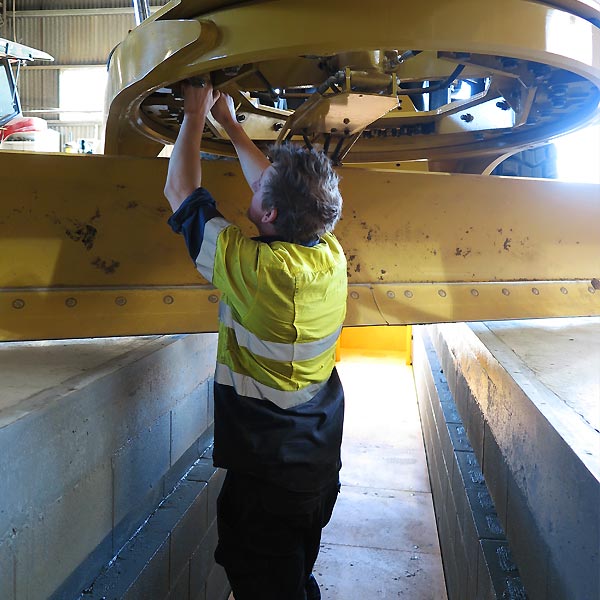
(191, 218)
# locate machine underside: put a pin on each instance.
(450, 87)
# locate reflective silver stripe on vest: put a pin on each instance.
(276, 350)
(205, 261)
(245, 385)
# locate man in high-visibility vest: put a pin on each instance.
(279, 403)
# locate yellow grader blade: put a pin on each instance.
(87, 250)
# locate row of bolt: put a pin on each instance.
(213, 298)
(19, 303)
(474, 292)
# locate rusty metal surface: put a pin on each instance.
(88, 251)
(539, 84)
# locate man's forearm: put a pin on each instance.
(185, 171)
(252, 160)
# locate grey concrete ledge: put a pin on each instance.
(85, 457)
(537, 447)
(465, 513)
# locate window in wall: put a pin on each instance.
(81, 93)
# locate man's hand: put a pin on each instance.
(197, 101)
(223, 111)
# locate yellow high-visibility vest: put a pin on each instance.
(281, 312)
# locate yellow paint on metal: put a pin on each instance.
(416, 166)
(397, 304)
(186, 9)
(409, 345)
(145, 61)
(89, 253)
(380, 339)
(285, 30)
(42, 313)
(438, 227)
(342, 112)
(395, 341)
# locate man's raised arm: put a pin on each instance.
(252, 160)
(185, 170)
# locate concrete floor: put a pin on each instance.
(382, 540)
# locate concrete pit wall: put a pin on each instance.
(476, 556)
(105, 452)
(496, 415)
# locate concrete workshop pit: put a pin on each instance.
(106, 452)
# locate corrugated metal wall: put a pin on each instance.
(75, 38)
(74, 4)
(38, 90)
(71, 132)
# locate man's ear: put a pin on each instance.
(269, 216)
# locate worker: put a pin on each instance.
(278, 401)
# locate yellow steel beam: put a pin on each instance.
(87, 251)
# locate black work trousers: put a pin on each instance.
(269, 538)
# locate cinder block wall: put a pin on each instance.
(475, 553)
(511, 433)
(85, 464)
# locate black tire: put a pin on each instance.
(538, 162)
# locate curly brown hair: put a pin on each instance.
(303, 187)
